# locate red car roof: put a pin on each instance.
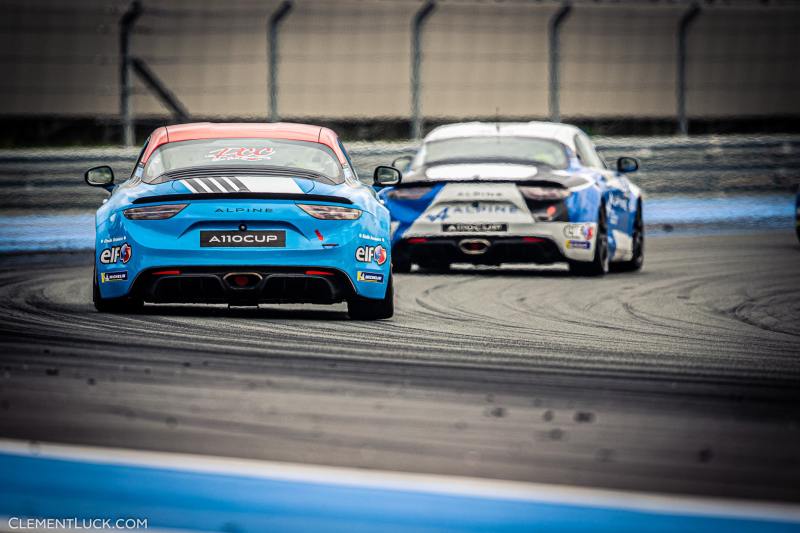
(274, 130)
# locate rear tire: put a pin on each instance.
(599, 265)
(637, 260)
(401, 263)
(125, 304)
(360, 308)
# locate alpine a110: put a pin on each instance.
(243, 214)
(493, 193)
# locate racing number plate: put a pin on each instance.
(242, 239)
(479, 228)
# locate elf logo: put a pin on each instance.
(368, 254)
(115, 254)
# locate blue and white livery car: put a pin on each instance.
(493, 193)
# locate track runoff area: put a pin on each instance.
(523, 399)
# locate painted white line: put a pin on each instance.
(411, 482)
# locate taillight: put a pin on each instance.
(543, 193)
(330, 212)
(410, 193)
(154, 212)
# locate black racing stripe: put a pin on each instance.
(189, 185)
(211, 185)
(241, 186)
(226, 184)
(195, 183)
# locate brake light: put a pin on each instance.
(167, 273)
(330, 212)
(154, 212)
(318, 273)
(410, 193)
(543, 193)
(417, 240)
(532, 239)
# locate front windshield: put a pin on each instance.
(309, 156)
(497, 148)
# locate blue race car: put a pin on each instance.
(243, 214)
(493, 193)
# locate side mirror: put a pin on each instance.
(402, 162)
(627, 164)
(100, 177)
(385, 176)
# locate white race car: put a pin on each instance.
(492, 193)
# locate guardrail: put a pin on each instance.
(48, 179)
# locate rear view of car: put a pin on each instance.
(243, 214)
(493, 193)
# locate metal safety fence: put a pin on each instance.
(413, 62)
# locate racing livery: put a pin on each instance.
(492, 193)
(243, 214)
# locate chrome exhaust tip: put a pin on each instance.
(474, 246)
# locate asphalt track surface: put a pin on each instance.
(683, 378)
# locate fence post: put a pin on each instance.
(272, 42)
(416, 61)
(554, 34)
(126, 24)
(680, 78)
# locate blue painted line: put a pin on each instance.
(37, 233)
(40, 487)
(687, 214)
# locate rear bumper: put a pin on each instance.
(539, 242)
(242, 285)
(495, 250)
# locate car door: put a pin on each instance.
(618, 191)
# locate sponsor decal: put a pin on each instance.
(242, 239)
(116, 275)
(241, 154)
(139, 171)
(480, 194)
(116, 254)
(473, 209)
(243, 210)
(617, 202)
(474, 228)
(371, 277)
(579, 231)
(368, 237)
(368, 254)
(579, 244)
(109, 240)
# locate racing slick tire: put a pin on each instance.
(113, 305)
(637, 260)
(401, 263)
(368, 309)
(599, 265)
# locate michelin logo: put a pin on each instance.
(118, 275)
(372, 277)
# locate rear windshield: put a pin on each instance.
(496, 148)
(252, 153)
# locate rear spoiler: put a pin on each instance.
(243, 196)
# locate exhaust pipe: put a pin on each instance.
(474, 246)
(242, 280)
